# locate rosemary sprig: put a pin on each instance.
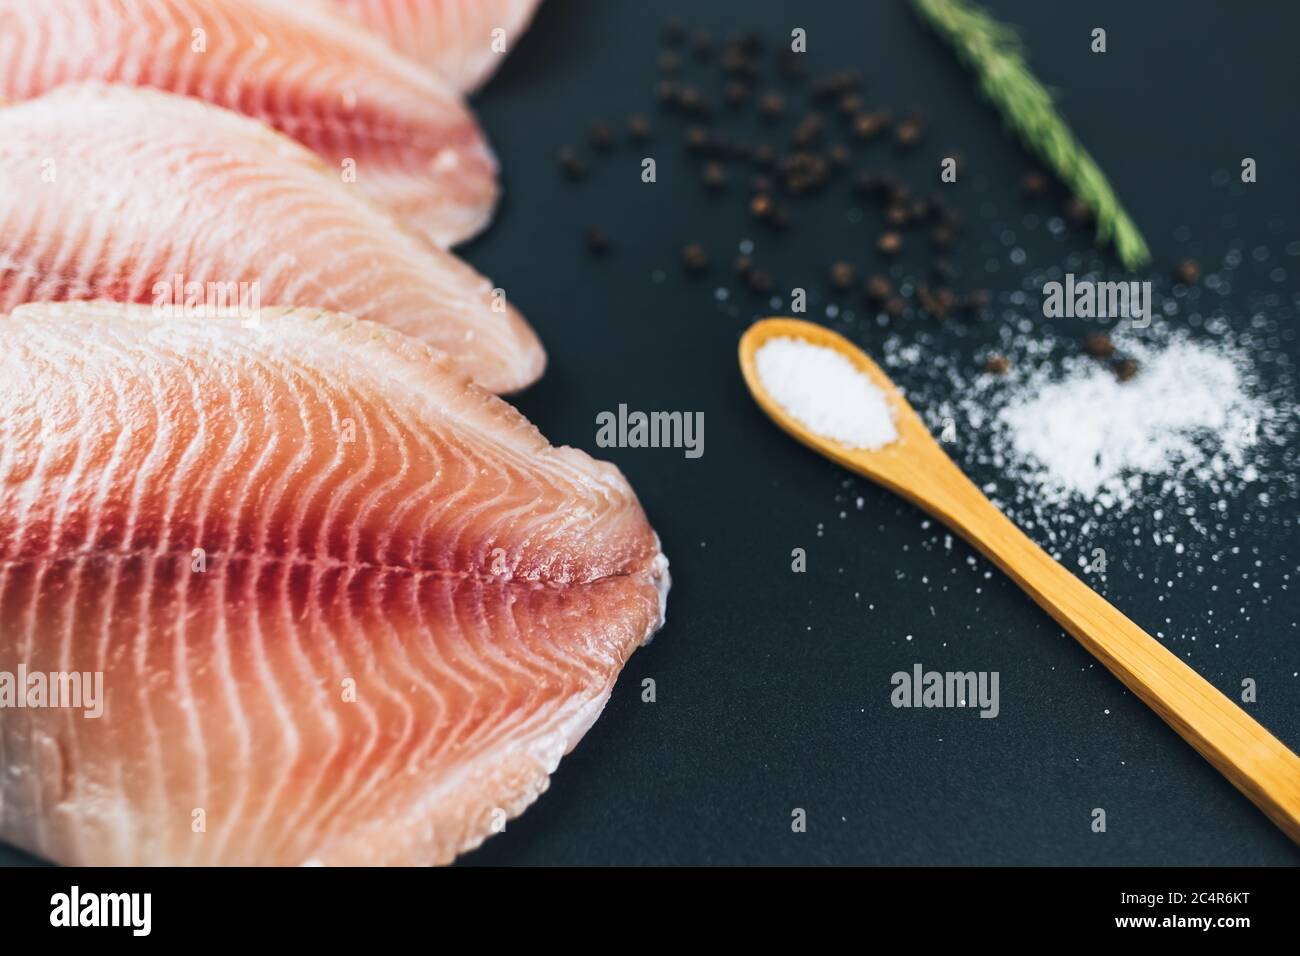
(993, 51)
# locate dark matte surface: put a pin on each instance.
(773, 688)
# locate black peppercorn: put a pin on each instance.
(842, 275)
(760, 281)
(597, 241)
(570, 164)
(1099, 345)
(1034, 184)
(879, 288)
(1189, 272)
(601, 136)
(771, 107)
(694, 258)
(715, 176)
(638, 128)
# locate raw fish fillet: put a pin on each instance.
(407, 606)
(107, 190)
(300, 66)
(453, 37)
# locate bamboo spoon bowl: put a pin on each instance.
(915, 467)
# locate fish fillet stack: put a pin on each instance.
(348, 606)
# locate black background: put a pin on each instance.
(772, 687)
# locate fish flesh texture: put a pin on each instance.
(396, 132)
(348, 608)
(112, 192)
(455, 38)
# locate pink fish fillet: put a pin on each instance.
(455, 38)
(399, 134)
(126, 193)
(345, 606)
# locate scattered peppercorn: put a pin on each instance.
(698, 140)
(1078, 211)
(736, 94)
(694, 258)
(851, 104)
(811, 163)
(809, 130)
(771, 107)
(570, 164)
(736, 63)
(638, 128)
(843, 275)
(760, 281)
(597, 241)
(691, 101)
(1099, 345)
(867, 126)
(879, 288)
(1126, 369)
(997, 364)
(1189, 272)
(1034, 184)
(601, 136)
(836, 84)
(933, 303)
(803, 172)
(908, 132)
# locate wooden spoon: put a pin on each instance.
(915, 467)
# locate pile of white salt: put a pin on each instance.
(823, 391)
(1187, 412)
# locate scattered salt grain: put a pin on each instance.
(823, 391)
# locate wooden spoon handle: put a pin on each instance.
(1256, 762)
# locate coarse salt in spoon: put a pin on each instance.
(824, 391)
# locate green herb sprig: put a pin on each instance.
(994, 52)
